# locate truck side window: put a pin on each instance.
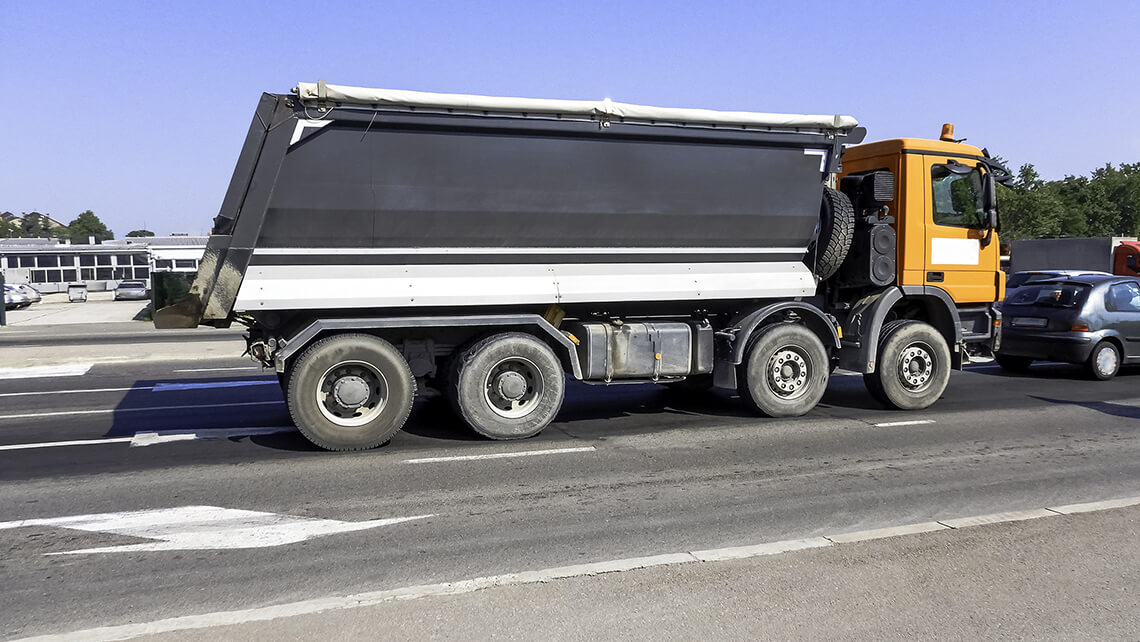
(957, 198)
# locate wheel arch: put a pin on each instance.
(289, 348)
(864, 324)
(806, 314)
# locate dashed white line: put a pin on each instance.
(71, 392)
(914, 422)
(323, 605)
(107, 411)
(524, 453)
(75, 442)
(152, 438)
(33, 372)
(220, 369)
(207, 385)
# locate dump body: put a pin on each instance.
(372, 207)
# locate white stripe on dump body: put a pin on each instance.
(275, 287)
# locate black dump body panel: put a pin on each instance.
(394, 179)
(437, 181)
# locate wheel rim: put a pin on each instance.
(916, 366)
(789, 370)
(513, 387)
(352, 393)
(1106, 361)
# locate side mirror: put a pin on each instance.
(989, 201)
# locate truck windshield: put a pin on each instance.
(957, 198)
(1058, 295)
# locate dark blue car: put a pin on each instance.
(1090, 320)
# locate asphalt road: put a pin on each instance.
(641, 471)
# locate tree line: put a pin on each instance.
(38, 225)
(1105, 203)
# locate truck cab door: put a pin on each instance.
(956, 228)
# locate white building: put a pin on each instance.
(50, 265)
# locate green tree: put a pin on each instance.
(1029, 209)
(139, 233)
(87, 225)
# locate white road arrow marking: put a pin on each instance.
(203, 528)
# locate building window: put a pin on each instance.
(39, 276)
(139, 259)
(54, 276)
(103, 274)
(186, 263)
(87, 260)
(122, 259)
(142, 273)
(102, 259)
(88, 274)
(47, 261)
(122, 273)
(69, 275)
(28, 261)
(163, 264)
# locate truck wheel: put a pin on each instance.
(350, 392)
(913, 366)
(507, 386)
(786, 371)
(1104, 362)
(836, 230)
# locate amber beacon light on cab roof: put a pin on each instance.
(376, 242)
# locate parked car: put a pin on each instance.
(1021, 279)
(30, 292)
(14, 299)
(131, 291)
(1089, 319)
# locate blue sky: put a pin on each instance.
(137, 110)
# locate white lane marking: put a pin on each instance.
(757, 550)
(1070, 509)
(890, 531)
(105, 411)
(160, 387)
(220, 369)
(73, 370)
(76, 442)
(525, 453)
(914, 422)
(196, 528)
(153, 438)
(162, 437)
(372, 598)
(846, 373)
(70, 392)
(997, 518)
(167, 387)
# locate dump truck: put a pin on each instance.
(1111, 254)
(377, 242)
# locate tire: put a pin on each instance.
(786, 371)
(1104, 362)
(507, 386)
(836, 230)
(377, 387)
(901, 344)
(1011, 363)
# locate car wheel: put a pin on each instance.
(1104, 362)
(1012, 363)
